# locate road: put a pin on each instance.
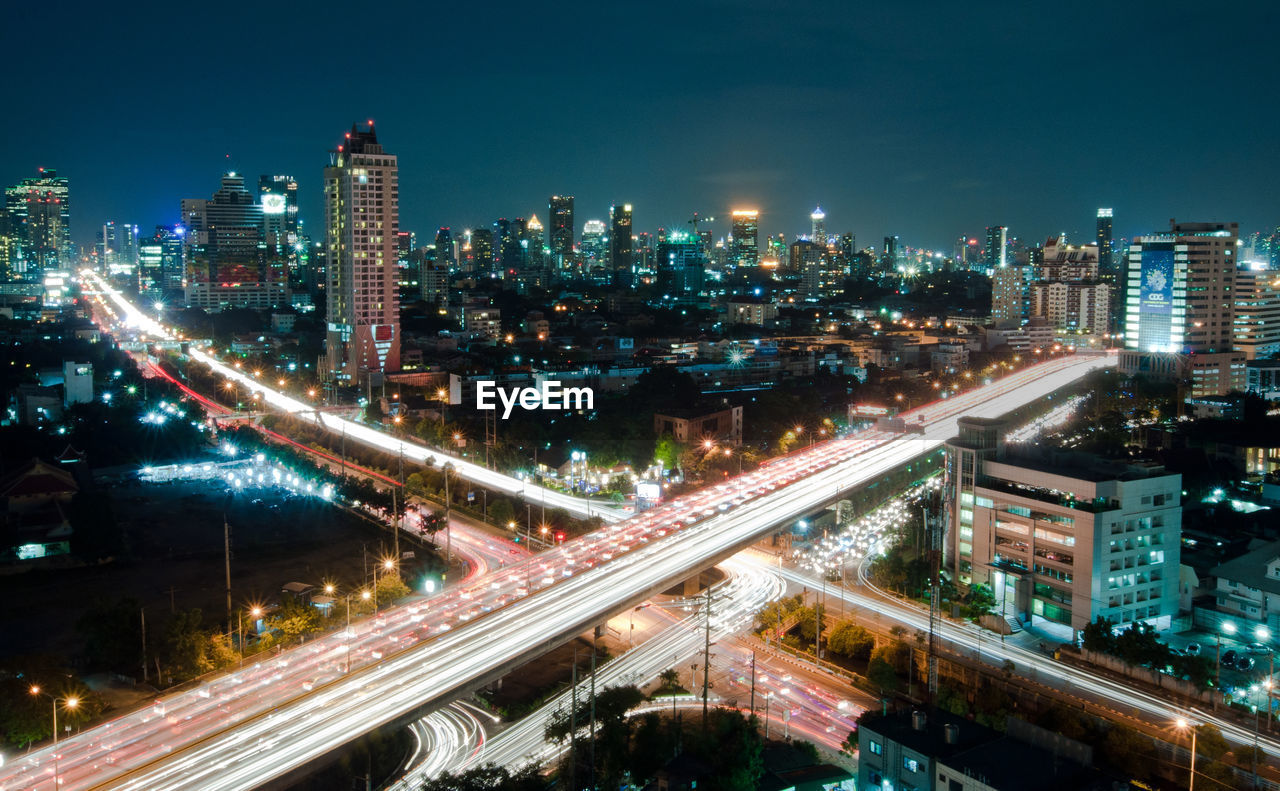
(239, 730)
(1028, 663)
(131, 318)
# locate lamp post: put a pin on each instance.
(1181, 724)
(364, 596)
(70, 702)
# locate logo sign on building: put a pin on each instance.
(1157, 281)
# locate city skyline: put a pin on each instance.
(926, 141)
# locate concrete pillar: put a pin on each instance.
(691, 585)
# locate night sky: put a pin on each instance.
(925, 120)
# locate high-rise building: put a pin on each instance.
(160, 266)
(445, 248)
(39, 226)
(1105, 259)
(533, 269)
(1180, 308)
(595, 244)
(1011, 294)
(483, 251)
(621, 248)
(1066, 291)
(889, 254)
(1060, 537)
(362, 218)
(681, 263)
(744, 230)
(560, 229)
(997, 254)
(230, 262)
(818, 219)
(1257, 321)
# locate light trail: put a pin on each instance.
(1032, 664)
(134, 318)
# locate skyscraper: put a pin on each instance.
(1180, 308)
(889, 253)
(620, 244)
(997, 246)
(819, 220)
(744, 228)
(444, 248)
(560, 233)
(160, 259)
(229, 260)
(1105, 261)
(362, 218)
(39, 220)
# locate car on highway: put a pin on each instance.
(1229, 657)
(1244, 664)
(1193, 649)
(1258, 649)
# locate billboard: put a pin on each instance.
(1156, 293)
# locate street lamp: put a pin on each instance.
(1228, 628)
(70, 702)
(1182, 724)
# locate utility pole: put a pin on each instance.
(706, 661)
(935, 592)
(226, 553)
(753, 683)
(448, 509)
(591, 745)
(395, 526)
(573, 724)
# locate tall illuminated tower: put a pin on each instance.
(819, 220)
(1105, 261)
(620, 243)
(745, 230)
(362, 218)
(560, 228)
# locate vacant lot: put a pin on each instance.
(174, 532)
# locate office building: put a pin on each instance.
(621, 259)
(889, 254)
(445, 252)
(434, 283)
(744, 233)
(362, 218)
(818, 221)
(229, 260)
(38, 214)
(1180, 308)
(997, 249)
(560, 229)
(595, 244)
(1061, 537)
(1257, 319)
(681, 263)
(1106, 260)
(160, 260)
(117, 248)
(533, 269)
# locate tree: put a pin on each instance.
(850, 640)
(185, 644)
(668, 452)
(881, 675)
(1209, 741)
(294, 620)
(978, 601)
(390, 588)
(501, 511)
(1099, 635)
(487, 778)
